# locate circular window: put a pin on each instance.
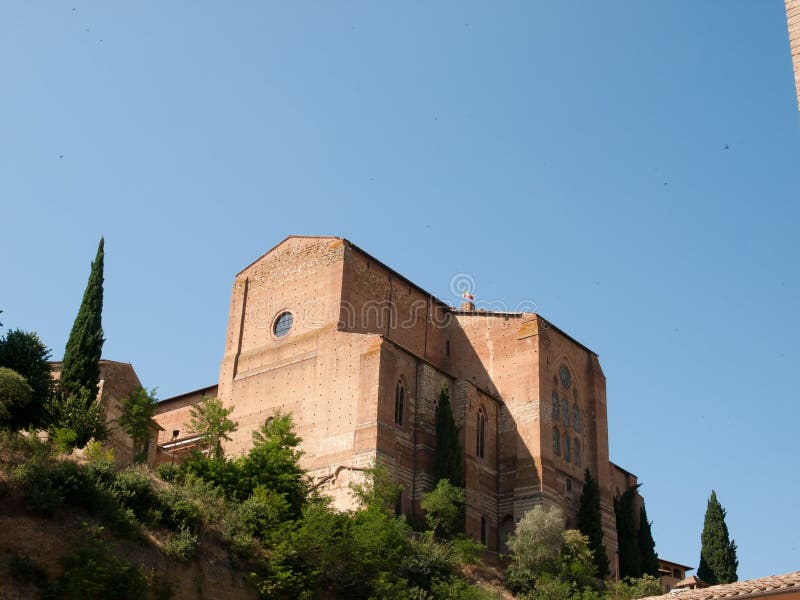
(283, 324)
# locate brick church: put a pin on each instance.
(358, 354)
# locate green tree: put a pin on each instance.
(377, 490)
(538, 539)
(274, 461)
(444, 509)
(26, 354)
(590, 522)
(76, 418)
(630, 564)
(81, 366)
(718, 562)
(14, 392)
(447, 458)
(136, 418)
(648, 557)
(209, 419)
(549, 561)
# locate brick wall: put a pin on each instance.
(793, 20)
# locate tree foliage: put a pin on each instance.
(15, 393)
(537, 539)
(26, 354)
(630, 564)
(447, 458)
(590, 522)
(630, 589)
(81, 366)
(548, 560)
(648, 557)
(209, 419)
(76, 418)
(718, 562)
(136, 418)
(444, 509)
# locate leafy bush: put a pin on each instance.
(48, 485)
(427, 562)
(444, 509)
(100, 462)
(169, 473)
(182, 544)
(93, 572)
(631, 588)
(131, 488)
(64, 439)
(80, 412)
(15, 393)
(26, 354)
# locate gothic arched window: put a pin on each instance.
(480, 445)
(565, 410)
(556, 442)
(576, 417)
(399, 401)
(567, 453)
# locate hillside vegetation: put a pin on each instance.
(213, 528)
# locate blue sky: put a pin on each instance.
(630, 167)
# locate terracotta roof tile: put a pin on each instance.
(789, 582)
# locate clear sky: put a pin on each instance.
(629, 167)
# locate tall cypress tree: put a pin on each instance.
(648, 557)
(590, 523)
(718, 562)
(630, 564)
(81, 367)
(447, 458)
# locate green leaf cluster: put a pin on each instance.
(26, 354)
(136, 419)
(209, 419)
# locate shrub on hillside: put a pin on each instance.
(15, 393)
(94, 573)
(181, 544)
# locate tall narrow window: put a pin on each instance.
(576, 417)
(556, 442)
(565, 410)
(555, 414)
(576, 452)
(567, 454)
(480, 446)
(483, 530)
(399, 401)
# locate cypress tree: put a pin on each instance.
(718, 562)
(590, 523)
(447, 458)
(81, 366)
(648, 557)
(630, 564)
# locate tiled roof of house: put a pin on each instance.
(789, 582)
(691, 580)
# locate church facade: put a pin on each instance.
(359, 355)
